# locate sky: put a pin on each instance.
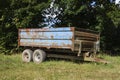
(117, 1)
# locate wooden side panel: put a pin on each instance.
(87, 38)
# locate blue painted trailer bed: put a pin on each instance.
(47, 37)
(64, 38)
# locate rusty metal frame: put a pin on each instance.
(18, 37)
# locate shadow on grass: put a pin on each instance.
(68, 60)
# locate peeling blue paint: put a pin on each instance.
(47, 37)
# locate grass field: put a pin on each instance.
(12, 68)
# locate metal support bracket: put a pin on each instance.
(95, 51)
(80, 48)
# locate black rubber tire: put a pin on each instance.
(39, 56)
(27, 55)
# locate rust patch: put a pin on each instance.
(73, 38)
(72, 28)
(18, 37)
(28, 31)
(52, 37)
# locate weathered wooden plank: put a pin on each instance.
(46, 35)
(86, 34)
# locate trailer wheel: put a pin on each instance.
(39, 56)
(27, 55)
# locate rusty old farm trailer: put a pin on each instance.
(70, 42)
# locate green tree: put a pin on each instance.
(18, 14)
